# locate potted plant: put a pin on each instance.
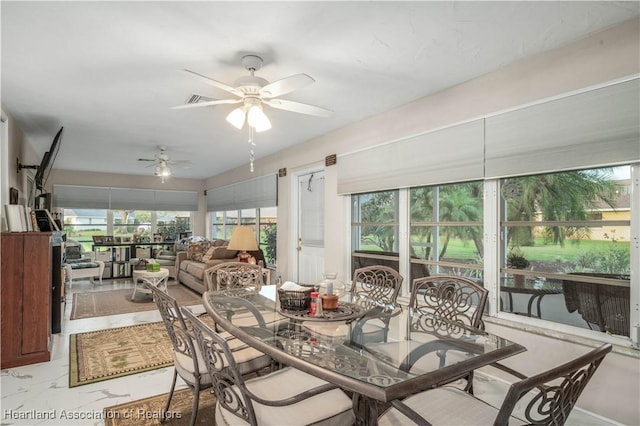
(517, 260)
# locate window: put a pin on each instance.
(446, 234)
(562, 252)
(375, 229)
(82, 224)
(264, 220)
(566, 248)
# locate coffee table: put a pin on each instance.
(157, 279)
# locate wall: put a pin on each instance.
(15, 147)
(607, 56)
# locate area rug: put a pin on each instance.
(147, 411)
(116, 352)
(106, 354)
(113, 302)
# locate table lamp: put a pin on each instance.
(243, 239)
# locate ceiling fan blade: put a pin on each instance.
(218, 84)
(146, 159)
(298, 107)
(208, 103)
(285, 85)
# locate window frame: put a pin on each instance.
(492, 265)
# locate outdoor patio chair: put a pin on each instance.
(376, 288)
(188, 361)
(547, 398)
(450, 297)
(607, 306)
(283, 397)
(229, 275)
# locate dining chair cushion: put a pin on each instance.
(446, 406)
(329, 408)
(247, 358)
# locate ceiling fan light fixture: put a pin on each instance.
(236, 117)
(258, 119)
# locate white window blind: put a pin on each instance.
(252, 193)
(80, 197)
(453, 154)
(596, 128)
(90, 197)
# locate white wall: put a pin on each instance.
(604, 57)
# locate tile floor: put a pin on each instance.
(39, 394)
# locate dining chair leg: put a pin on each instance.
(173, 386)
(196, 402)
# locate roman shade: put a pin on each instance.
(600, 127)
(453, 154)
(248, 194)
(91, 197)
(81, 197)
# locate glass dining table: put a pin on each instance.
(378, 352)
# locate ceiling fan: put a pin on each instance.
(253, 93)
(163, 163)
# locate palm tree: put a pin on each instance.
(565, 196)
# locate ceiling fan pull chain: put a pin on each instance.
(251, 145)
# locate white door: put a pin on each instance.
(310, 240)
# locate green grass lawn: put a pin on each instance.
(458, 249)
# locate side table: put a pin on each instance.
(535, 291)
(157, 279)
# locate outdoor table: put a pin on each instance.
(535, 288)
(342, 353)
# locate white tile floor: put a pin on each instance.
(39, 394)
(43, 389)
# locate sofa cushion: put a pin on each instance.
(223, 252)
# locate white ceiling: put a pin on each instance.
(109, 72)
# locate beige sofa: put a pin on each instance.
(192, 263)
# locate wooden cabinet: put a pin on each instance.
(25, 298)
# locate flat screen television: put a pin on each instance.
(49, 157)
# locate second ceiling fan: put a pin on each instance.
(253, 92)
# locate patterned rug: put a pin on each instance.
(147, 411)
(113, 302)
(116, 352)
(106, 354)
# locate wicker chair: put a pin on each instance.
(188, 361)
(284, 397)
(607, 306)
(556, 393)
(231, 275)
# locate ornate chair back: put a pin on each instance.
(558, 390)
(378, 284)
(185, 354)
(228, 384)
(229, 275)
(451, 297)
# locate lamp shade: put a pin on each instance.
(258, 119)
(236, 117)
(243, 238)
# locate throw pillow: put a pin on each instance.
(208, 255)
(73, 252)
